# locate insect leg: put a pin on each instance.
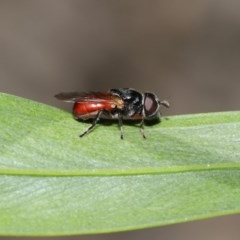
(95, 120)
(142, 129)
(120, 124)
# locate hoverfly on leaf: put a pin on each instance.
(121, 104)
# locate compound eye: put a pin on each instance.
(150, 105)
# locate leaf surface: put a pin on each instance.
(53, 183)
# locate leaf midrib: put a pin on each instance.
(118, 172)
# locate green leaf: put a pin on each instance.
(53, 183)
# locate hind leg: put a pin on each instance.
(95, 121)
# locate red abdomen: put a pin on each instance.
(89, 109)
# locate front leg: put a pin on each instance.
(142, 129)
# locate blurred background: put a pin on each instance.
(187, 52)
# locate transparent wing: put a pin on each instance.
(85, 96)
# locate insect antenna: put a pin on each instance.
(164, 103)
